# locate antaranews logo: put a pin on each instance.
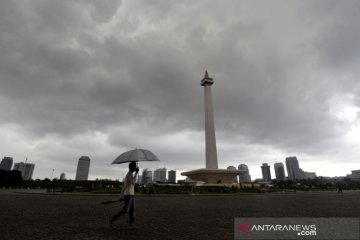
(296, 228)
(300, 229)
(244, 228)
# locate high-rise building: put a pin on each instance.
(26, 169)
(235, 180)
(160, 175)
(82, 171)
(28, 172)
(6, 163)
(279, 171)
(293, 169)
(62, 176)
(245, 176)
(147, 177)
(172, 176)
(265, 169)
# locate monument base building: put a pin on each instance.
(212, 176)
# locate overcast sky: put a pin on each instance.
(98, 78)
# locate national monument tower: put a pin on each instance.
(210, 174)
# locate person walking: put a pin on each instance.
(127, 194)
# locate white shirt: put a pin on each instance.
(129, 184)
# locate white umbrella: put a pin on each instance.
(136, 155)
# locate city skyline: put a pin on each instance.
(276, 174)
(86, 78)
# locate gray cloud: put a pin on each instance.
(122, 74)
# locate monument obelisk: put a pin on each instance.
(210, 139)
(211, 174)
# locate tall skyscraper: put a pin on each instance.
(292, 167)
(235, 180)
(172, 176)
(26, 169)
(160, 175)
(6, 163)
(147, 177)
(82, 171)
(265, 168)
(279, 171)
(245, 176)
(29, 170)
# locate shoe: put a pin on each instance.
(132, 227)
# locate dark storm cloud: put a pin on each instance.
(117, 80)
(338, 41)
(131, 71)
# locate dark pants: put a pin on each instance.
(129, 207)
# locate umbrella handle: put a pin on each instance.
(138, 177)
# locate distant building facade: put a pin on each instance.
(83, 167)
(6, 163)
(245, 176)
(279, 172)
(172, 176)
(235, 180)
(26, 169)
(355, 175)
(62, 176)
(293, 169)
(146, 177)
(160, 175)
(307, 175)
(265, 169)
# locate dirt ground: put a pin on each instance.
(71, 217)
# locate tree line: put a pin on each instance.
(11, 178)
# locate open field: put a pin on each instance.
(71, 217)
